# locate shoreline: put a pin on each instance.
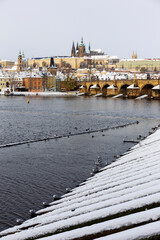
(71, 94)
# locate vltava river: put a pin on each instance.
(30, 174)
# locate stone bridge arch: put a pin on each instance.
(147, 89)
(89, 86)
(92, 84)
(123, 88)
(95, 90)
(104, 89)
(142, 82)
(82, 88)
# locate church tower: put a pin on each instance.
(73, 51)
(81, 49)
(133, 56)
(20, 63)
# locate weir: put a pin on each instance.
(66, 135)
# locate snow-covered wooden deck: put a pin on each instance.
(122, 202)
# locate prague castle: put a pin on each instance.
(80, 50)
(79, 58)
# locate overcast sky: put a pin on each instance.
(48, 27)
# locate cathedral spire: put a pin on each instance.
(77, 47)
(135, 55)
(73, 51)
(20, 54)
(82, 44)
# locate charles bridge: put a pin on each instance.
(128, 88)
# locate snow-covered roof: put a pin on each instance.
(113, 57)
(104, 75)
(97, 50)
(99, 57)
(142, 59)
(31, 75)
(130, 59)
(6, 60)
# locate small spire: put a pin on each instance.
(73, 51)
(23, 54)
(20, 54)
(135, 56)
(77, 48)
(89, 48)
(52, 62)
(82, 44)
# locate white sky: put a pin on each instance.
(48, 27)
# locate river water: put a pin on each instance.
(32, 173)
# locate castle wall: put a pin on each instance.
(43, 62)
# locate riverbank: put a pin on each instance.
(43, 94)
(124, 202)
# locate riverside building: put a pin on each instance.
(139, 65)
(5, 80)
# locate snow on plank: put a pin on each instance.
(128, 184)
(142, 232)
(134, 219)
